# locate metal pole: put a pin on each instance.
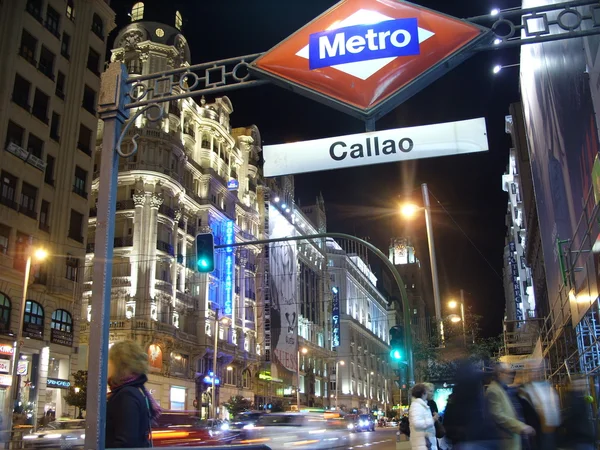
(215, 350)
(298, 376)
(462, 315)
(384, 259)
(112, 112)
(337, 380)
(17, 347)
(434, 273)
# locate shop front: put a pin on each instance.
(6, 353)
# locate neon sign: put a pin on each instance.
(229, 267)
(335, 318)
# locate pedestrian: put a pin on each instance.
(467, 419)
(440, 432)
(421, 420)
(503, 411)
(578, 423)
(130, 410)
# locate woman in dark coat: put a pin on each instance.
(130, 409)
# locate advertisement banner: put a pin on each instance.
(376, 147)
(563, 143)
(335, 318)
(284, 307)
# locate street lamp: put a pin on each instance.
(409, 211)
(337, 380)
(304, 351)
(453, 304)
(39, 254)
(225, 320)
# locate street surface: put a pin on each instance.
(380, 439)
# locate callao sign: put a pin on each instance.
(362, 55)
(403, 144)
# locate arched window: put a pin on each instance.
(5, 308)
(178, 20)
(33, 320)
(98, 26)
(62, 321)
(70, 10)
(246, 377)
(137, 12)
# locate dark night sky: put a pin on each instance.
(363, 201)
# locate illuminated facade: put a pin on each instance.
(367, 377)
(51, 53)
(520, 331)
(192, 173)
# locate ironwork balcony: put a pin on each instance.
(165, 247)
(167, 211)
(126, 241)
(189, 131)
(174, 108)
(10, 202)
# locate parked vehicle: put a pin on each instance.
(360, 422)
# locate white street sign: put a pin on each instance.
(377, 147)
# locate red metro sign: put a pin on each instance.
(367, 56)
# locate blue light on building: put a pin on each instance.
(229, 267)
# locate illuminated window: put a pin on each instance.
(137, 12)
(62, 321)
(178, 19)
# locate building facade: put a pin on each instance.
(520, 331)
(192, 173)
(366, 379)
(52, 53)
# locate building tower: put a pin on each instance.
(52, 53)
(192, 173)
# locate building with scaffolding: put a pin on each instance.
(561, 101)
(521, 329)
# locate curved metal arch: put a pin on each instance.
(143, 111)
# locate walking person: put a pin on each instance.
(421, 420)
(503, 411)
(130, 409)
(578, 422)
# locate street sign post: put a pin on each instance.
(377, 147)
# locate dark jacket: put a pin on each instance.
(578, 425)
(432, 406)
(127, 416)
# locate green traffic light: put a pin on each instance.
(203, 263)
(396, 354)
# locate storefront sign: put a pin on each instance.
(376, 147)
(61, 337)
(4, 366)
(233, 185)
(267, 377)
(155, 357)
(229, 268)
(335, 318)
(23, 368)
(6, 349)
(5, 380)
(58, 383)
(33, 331)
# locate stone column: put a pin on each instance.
(184, 255)
(242, 283)
(152, 229)
(174, 240)
(139, 199)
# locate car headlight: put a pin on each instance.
(225, 427)
(350, 426)
(248, 427)
(31, 436)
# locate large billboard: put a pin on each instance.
(563, 142)
(284, 304)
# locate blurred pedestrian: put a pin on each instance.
(578, 424)
(467, 419)
(130, 409)
(440, 432)
(503, 411)
(541, 409)
(422, 421)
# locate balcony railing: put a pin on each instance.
(174, 108)
(126, 241)
(165, 247)
(167, 211)
(10, 202)
(28, 212)
(189, 131)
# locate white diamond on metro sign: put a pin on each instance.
(364, 69)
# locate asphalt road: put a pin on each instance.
(380, 439)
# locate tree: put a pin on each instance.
(238, 404)
(77, 394)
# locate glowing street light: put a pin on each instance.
(409, 210)
(495, 12)
(452, 304)
(454, 318)
(497, 69)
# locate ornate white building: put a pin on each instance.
(192, 173)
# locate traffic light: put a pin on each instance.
(205, 253)
(397, 352)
